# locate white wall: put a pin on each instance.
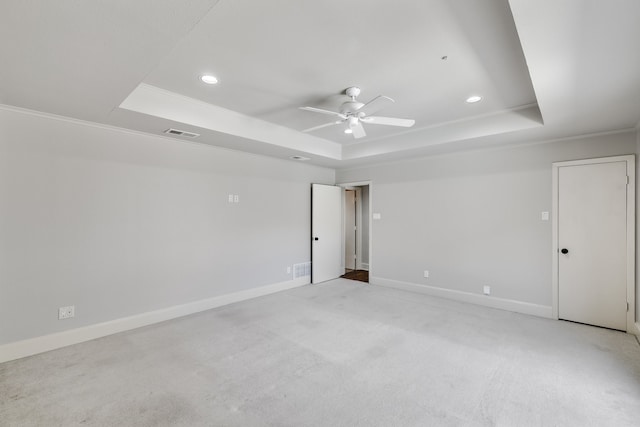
(473, 218)
(119, 223)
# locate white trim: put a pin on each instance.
(365, 266)
(514, 145)
(355, 184)
(162, 136)
(632, 326)
(19, 349)
(358, 228)
(102, 126)
(631, 244)
(484, 300)
(554, 241)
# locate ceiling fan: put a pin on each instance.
(354, 113)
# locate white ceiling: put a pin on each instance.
(546, 69)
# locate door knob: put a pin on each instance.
(315, 238)
(564, 251)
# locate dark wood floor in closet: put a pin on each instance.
(361, 275)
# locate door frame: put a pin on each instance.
(355, 185)
(631, 231)
(357, 243)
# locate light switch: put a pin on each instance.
(236, 198)
(230, 198)
(545, 216)
(377, 216)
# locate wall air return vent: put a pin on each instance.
(301, 270)
(177, 132)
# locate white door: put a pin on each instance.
(326, 232)
(592, 244)
(350, 229)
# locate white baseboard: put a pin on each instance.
(28, 347)
(365, 266)
(485, 300)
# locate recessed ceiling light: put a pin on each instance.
(348, 131)
(300, 158)
(474, 98)
(209, 79)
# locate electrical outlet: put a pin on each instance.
(486, 290)
(426, 273)
(66, 312)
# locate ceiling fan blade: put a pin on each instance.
(390, 121)
(320, 110)
(322, 126)
(376, 104)
(358, 131)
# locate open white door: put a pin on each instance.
(326, 232)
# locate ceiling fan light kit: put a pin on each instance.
(353, 92)
(355, 113)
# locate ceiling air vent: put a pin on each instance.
(178, 132)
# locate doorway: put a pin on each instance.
(356, 227)
(328, 259)
(594, 241)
